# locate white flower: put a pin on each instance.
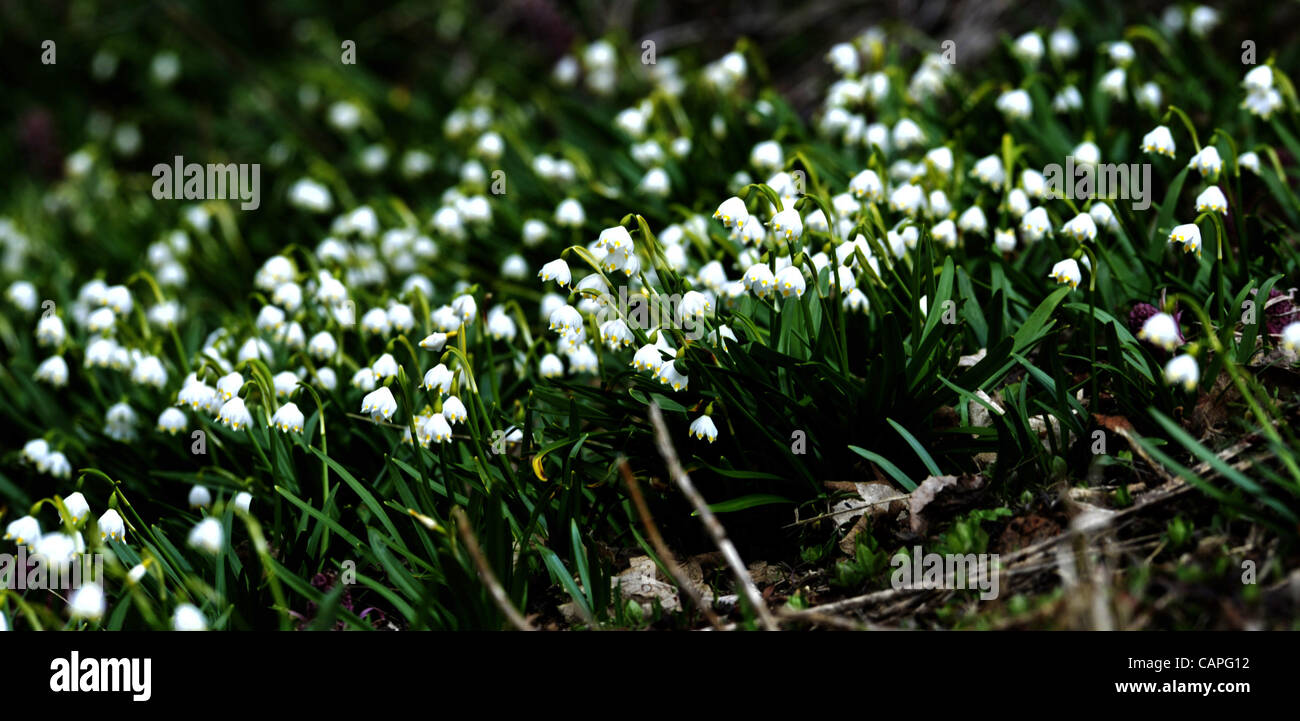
(50, 331)
(988, 170)
(454, 410)
(1183, 371)
(1249, 161)
(199, 498)
(500, 325)
(25, 530)
(866, 186)
(36, 450)
(375, 321)
(380, 404)
(1029, 47)
(1212, 199)
(1082, 227)
(328, 380)
(973, 221)
(23, 295)
(56, 464)
(550, 366)
(112, 526)
(243, 500)
(1207, 162)
(311, 196)
(844, 58)
(1035, 224)
(655, 183)
(1159, 141)
(1017, 202)
(702, 428)
(189, 618)
(694, 304)
(1149, 96)
(288, 418)
(569, 214)
(88, 602)
(207, 536)
(439, 377)
(77, 508)
(1113, 83)
(1033, 183)
(787, 224)
(172, 421)
(434, 342)
(364, 379)
(149, 371)
(938, 205)
(767, 156)
(907, 134)
(269, 318)
(856, 300)
(789, 281)
(945, 232)
(1121, 53)
(136, 573)
(1063, 44)
(1004, 240)
(1260, 79)
(616, 334)
(1067, 272)
(558, 270)
(1161, 330)
(669, 375)
(228, 385)
(940, 159)
(195, 394)
(401, 317)
(385, 367)
(1087, 153)
(284, 382)
(1290, 339)
(647, 358)
(1263, 103)
(1103, 216)
(1067, 99)
(1202, 20)
(1189, 235)
(908, 199)
(1016, 104)
(235, 415)
(52, 370)
(435, 428)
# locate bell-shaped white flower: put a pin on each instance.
(1212, 199)
(322, 346)
(1161, 330)
(385, 367)
(23, 531)
(669, 375)
(703, 429)
(790, 281)
(1063, 44)
(172, 421)
(112, 526)
(1159, 141)
(1249, 161)
(1081, 227)
(1207, 162)
(1202, 20)
(866, 185)
(228, 385)
(759, 279)
(454, 410)
(908, 199)
(380, 404)
(207, 536)
(945, 233)
(189, 618)
(1015, 104)
(1028, 47)
(988, 170)
(87, 602)
(200, 497)
(1035, 224)
(1189, 235)
(732, 212)
(973, 221)
(438, 377)
(787, 224)
(243, 500)
(1067, 99)
(434, 342)
(1182, 371)
(288, 418)
(556, 270)
(364, 379)
(52, 370)
(1067, 272)
(235, 415)
(648, 358)
(435, 428)
(77, 508)
(1290, 337)
(1004, 240)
